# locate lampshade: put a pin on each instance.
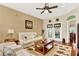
(10, 30)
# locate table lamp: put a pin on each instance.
(10, 32)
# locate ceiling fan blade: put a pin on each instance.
(42, 11)
(40, 8)
(53, 7)
(49, 11)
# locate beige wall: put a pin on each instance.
(16, 20)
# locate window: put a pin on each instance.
(57, 27)
(49, 32)
(49, 29)
(57, 32)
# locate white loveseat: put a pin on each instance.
(11, 45)
(18, 49)
(27, 38)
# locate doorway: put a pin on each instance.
(71, 29)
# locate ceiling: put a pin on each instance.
(30, 8)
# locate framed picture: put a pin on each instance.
(57, 25)
(49, 25)
(28, 24)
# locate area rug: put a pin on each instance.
(58, 50)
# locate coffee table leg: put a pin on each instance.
(43, 50)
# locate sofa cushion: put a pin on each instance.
(8, 52)
(2, 45)
(27, 35)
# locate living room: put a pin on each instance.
(26, 29)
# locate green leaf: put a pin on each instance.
(71, 17)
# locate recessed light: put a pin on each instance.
(63, 5)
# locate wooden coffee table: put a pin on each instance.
(45, 47)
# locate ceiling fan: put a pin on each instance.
(47, 8)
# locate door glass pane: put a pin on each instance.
(57, 32)
(49, 32)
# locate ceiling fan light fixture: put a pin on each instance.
(46, 8)
(45, 11)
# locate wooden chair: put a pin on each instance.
(63, 41)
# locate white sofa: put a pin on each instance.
(18, 49)
(11, 45)
(2, 45)
(27, 38)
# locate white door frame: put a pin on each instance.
(68, 30)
